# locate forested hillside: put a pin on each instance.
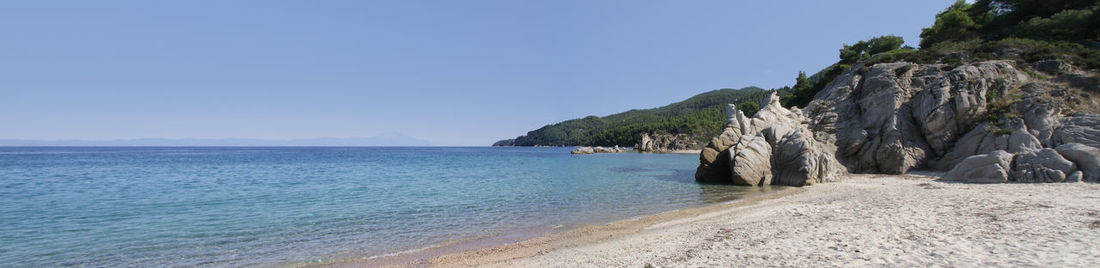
(1026, 31)
(702, 115)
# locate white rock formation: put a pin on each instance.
(772, 147)
(895, 117)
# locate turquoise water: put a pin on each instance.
(187, 206)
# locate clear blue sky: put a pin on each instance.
(450, 72)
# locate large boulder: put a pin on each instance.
(1087, 158)
(985, 168)
(750, 161)
(800, 160)
(1044, 165)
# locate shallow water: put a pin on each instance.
(190, 206)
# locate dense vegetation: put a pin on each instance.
(700, 116)
(1023, 30)
(1026, 31)
(1075, 21)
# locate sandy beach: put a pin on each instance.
(865, 220)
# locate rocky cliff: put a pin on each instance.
(896, 117)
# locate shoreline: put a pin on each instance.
(699, 151)
(864, 220)
(474, 251)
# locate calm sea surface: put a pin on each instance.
(191, 206)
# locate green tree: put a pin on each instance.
(802, 83)
(749, 107)
(852, 53)
(1051, 20)
(863, 50)
(884, 44)
(951, 24)
(1076, 24)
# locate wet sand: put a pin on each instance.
(865, 220)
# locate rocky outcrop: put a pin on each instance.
(1044, 165)
(583, 150)
(986, 168)
(599, 149)
(894, 117)
(1083, 128)
(984, 122)
(799, 160)
(1085, 157)
(750, 161)
(772, 147)
(1068, 163)
(1069, 74)
(985, 139)
(657, 143)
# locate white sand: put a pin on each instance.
(865, 220)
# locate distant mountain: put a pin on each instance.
(698, 117)
(388, 140)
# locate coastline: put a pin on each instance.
(695, 152)
(490, 249)
(864, 220)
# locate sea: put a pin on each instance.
(279, 206)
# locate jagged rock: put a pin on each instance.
(728, 138)
(898, 116)
(800, 160)
(1083, 128)
(1044, 165)
(984, 168)
(1040, 115)
(708, 155)
(750, 161)
(1087, 158)
(894, 117)
(985, 139)
(732, 114)
(956, 100)
(774, 147)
